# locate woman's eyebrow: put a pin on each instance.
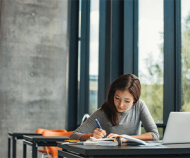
(119, 96)
(128, 98)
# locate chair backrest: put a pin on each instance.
(41, 130)
(85, 117)
(55, 133)
(58, 132)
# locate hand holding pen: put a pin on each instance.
(99, 132)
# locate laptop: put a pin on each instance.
(177, 128)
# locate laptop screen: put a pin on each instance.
(177, 128)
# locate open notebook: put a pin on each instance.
(112, 141)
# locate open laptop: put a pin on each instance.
(177, 128)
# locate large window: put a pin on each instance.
(185, 31)
(151, 55)
(142, 37)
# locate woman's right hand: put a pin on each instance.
(99, 133)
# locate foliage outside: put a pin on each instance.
(186, 66)
(152, 85)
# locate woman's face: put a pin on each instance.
(123, 100)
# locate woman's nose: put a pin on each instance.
(121, 104)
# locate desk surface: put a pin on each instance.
(46, 139)
(20, 135)
(128, 150)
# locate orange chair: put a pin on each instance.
(46, 150)
(40, 130)
(53, 151)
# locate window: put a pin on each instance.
(94, 52)
(185, 33)
(88, 44)
(142, 37)
(151, 55)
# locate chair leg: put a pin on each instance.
(42, 156)
(47, 152)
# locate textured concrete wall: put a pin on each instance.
(33, 67)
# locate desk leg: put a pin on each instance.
(24, 150)
(34, 150)
(9, 147)
(59, 155)
(14, 147)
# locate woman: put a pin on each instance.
(122, 113)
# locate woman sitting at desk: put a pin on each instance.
(122, 113)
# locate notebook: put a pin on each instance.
(177, 128)
(114, 141)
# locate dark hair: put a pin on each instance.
(125, 82)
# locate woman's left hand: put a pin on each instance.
(112, 135)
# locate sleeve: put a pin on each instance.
(87, 127)
(148, 122)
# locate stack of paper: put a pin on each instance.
(101, 142)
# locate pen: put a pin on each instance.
(98, 124)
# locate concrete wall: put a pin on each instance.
(33, 67)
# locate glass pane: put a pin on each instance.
(80, 4)
(79, 49)
(79, 54)
(151, 55)
(93, 63)
(185, 34)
